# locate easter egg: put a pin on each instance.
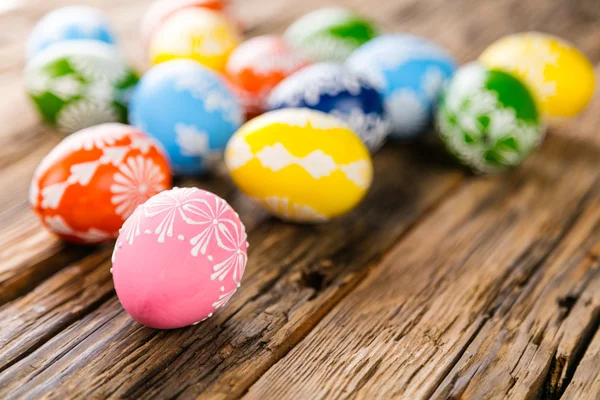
(332, 88)
(69, 23)
(88, 185)
(195, 33)
(301, 165)
(330, 34)
(78, 84)
(258, 65)
(187, 108)
(160, 10)
(560, 76)
(488, 119)
(179, 258)
(409, 72)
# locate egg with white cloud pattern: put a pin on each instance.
(189, 109)
(410, 72)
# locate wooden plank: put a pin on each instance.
(295, 274)
(536, 336)
(586, 382)
(471, 264)
(102, 350)
(53, 306)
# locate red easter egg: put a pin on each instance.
(256, 66)
(160, 10)
(93, 180)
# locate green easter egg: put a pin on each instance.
(77, 84)
(488, 119)
(330, 34)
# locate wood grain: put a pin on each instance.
(440, 285)
(294, 275)
(402, 330)
(53, 306)
(586, 382)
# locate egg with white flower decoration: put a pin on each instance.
(409, 72)
(332, 88)
(189, 109)
(488, 119)
(559, 75)
(301, 165)
(179, 258)
(78, 84)
(92, 181)
(69, 23)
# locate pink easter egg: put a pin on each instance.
(179, 258)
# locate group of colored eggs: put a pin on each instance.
(320, 101)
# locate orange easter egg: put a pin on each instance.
(93, 180)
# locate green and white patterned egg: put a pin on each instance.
(488, 119)
(77, 84)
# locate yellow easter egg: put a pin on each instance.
(560, 76)
(195, 33)
(301, 165)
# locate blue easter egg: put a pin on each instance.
(332, 88)
(69, 23)
(187, 108)
(410, 73)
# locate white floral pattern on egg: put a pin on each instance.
(179, 258)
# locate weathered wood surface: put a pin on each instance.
(439, 285)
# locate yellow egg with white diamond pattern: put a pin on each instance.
(559, 75)
(302, 165)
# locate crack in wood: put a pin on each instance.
(575, 358)
(566, 302)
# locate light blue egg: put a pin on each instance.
(409, 72)
(69, 23)
(188, 108)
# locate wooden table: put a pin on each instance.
(440, 284)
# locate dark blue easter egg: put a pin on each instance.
(188, 108)
(332, 88)
(410, 73)
(70, 23)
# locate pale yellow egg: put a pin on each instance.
(301, 165)
(560, 76)
(195, 33)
